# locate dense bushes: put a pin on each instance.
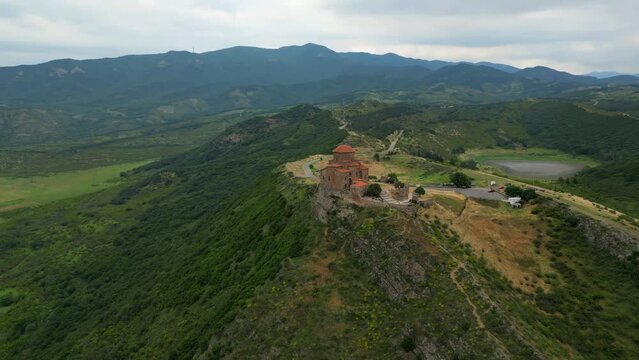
(468, 164)
(513, 190)
(614, 184)
(167, 270)
(461, 180)
(570, 128)
(391, 178)
(373, 190)
(525, 194)
(588, 291)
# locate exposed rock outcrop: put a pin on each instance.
(617, 243)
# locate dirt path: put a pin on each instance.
(473, 192)
(492, 304)
(453, 273)
(630, 116)
(478, 318)
(342, 120)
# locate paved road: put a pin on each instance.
(393, 143)
(474, 192)
(307, 168)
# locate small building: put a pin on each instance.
(358, 188)
(515, 202)
(344, 172)
(402, 191)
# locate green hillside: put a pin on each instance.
(69, 100)
(216, 253)
(152, 269)
(573, 129)
(443, 133)
(551, 124)
(615, 184)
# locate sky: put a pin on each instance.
(578, 36)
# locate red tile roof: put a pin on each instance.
(343, 149)
(359, 183)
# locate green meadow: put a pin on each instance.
(17, 192)
(483, 155)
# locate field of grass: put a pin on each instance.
(450, 203)
(483, 155)
(414, 170)
(134, 145)
(17, 192)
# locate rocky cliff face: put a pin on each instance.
(381, 283)
(616, 242)
(400, 266)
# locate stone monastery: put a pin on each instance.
(344, 173)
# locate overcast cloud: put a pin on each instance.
(573, 35)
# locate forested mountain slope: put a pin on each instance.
(556, 124)
(155, 268)
(72, 99)
(217, 253)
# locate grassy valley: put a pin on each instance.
(121, 147)
(19, 192)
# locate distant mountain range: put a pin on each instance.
(181, 73)
(102, 96)
(607, 74)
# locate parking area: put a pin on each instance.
(473, 193)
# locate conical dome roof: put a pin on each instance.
(343, 149)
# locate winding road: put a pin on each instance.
(308, 172)
(393, 143)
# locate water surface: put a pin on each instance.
(536, 169)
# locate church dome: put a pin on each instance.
(343, 149)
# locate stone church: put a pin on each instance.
(344, 173)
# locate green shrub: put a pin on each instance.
(420, 190)
(469, 164)
(513, 190)
(528, 194)
(6, 299)
(461, 180)
(458, 150)
(408, 344)
(373, 190)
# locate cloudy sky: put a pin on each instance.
(573, 35)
